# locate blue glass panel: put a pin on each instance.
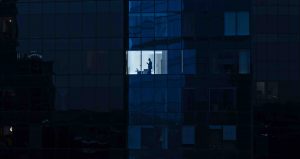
(134, 43)
(175, 45)
(61, 7)
(35, 8)
(49, 7)
(147, 44)
(189, 61)
(75, 7)
(134, 25)
(229, 132)
(174, 25)
(35, 25)
(76, 44)
(161, 5)
(102, 6)
(174, 62)
(75, 21)
(147, 95)
(23, 8)
(174, 94)
(134, 6)
(89, 7)
(243, 23)
(229, 23)
(188, 135)
(147, 25)
(89, 27)
(134, 137)
(174, 5)
(161, 25)
(147, 6)
(161, 43)
(24, 22)
(116, 6)
(214, 127)
(244, 62)
(61, 26)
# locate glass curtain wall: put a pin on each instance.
(155, 87)
(84, 40)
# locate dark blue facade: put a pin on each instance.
(155, 115)
(65, 96)
(205, 82)
(147, 79)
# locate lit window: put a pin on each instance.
(236, 23)
(161, 62)
(147, 62)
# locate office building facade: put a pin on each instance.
(145, 79)
(221, 72)
(68, 79)
(276, 74)
(156, 68)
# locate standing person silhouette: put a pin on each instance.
(149, 66)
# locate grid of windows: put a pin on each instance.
(155, 26)
(155, 88)
(236, 23)
(277, 73)
(83, 40)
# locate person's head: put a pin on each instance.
(149, 59)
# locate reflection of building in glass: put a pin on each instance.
(199, 106)
(206, 79)
(79, 112)
(155, 111)
(238, 98)
(34, 89)
(29, 94)
(26, 89)
(154, 100)
(276, 73)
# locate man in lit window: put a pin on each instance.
(149, 66)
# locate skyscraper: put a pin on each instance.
(68, 79)
(150, 79)
(219, 68)
(276, 75)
